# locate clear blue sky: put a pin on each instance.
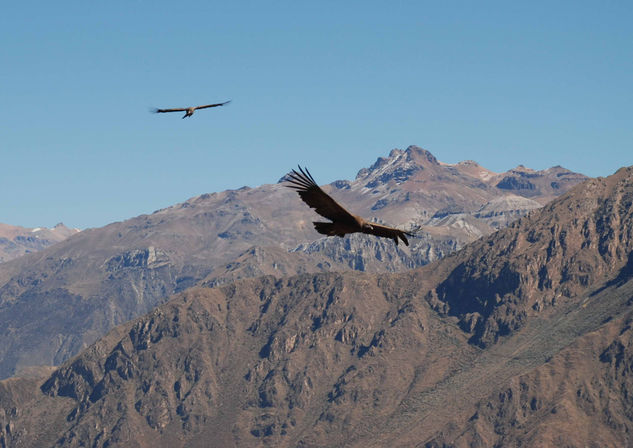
(329, 84)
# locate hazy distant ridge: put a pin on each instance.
(522, 337)
(16, 241)
(78, 289)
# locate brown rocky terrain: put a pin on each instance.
(57, 301)
(522, 338)
(16, 241)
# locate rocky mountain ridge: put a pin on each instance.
(522, 337)
(551, 262)
(79, 289)
(16, 241)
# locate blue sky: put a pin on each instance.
(330, 84)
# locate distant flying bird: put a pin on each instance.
(343, 222)
(190, 110)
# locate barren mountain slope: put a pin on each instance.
(546, 259)
(579, 397)
(356, 359)
(55, 302)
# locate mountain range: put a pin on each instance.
(521, 338)
(56, 302)
(16, 241)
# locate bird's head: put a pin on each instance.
(367, 226)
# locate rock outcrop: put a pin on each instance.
(466, 351)
(99, 278)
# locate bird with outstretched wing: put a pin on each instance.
(343, 222)
(190, 110)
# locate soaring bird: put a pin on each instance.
(190, 110)
(343, 222)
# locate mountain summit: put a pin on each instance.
(399, 166)
(420, 166)
(522, 337)
(80, 288)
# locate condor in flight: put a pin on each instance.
(190, 110)
(343, 222)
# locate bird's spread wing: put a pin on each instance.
(316, 198)
(158, 111)
(390, 232)
(213, 105)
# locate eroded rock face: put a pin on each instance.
(579, 397)
(379, 255)
(543, 260)
(149, 258)
(429, 357)
(219, 361)
(100, 278)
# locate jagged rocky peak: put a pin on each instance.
(523, 168)
(285, 178)
(420, 155)
(399, 166)
(334, 359)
